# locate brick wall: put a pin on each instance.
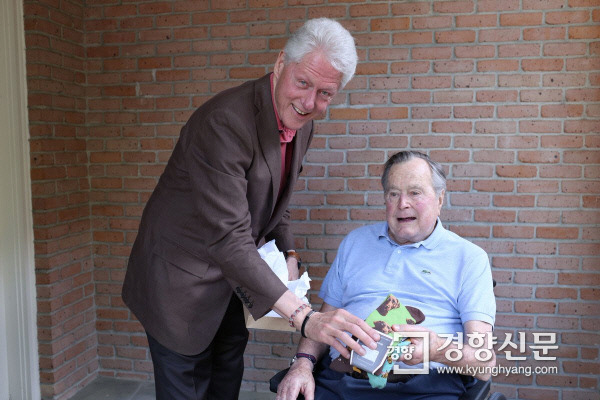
(504, 93)
(60, 188)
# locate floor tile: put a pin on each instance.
(104, 388)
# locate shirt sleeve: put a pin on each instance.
(476, 300)
(332, 288)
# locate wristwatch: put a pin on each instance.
(293, 253)
(312, 358)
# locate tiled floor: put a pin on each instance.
(118, 389)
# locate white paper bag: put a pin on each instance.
(276, 260)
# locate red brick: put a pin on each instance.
(562, 111)
(495, 216)
(523, 19)
(432, 22)
(535, 307)
(583, 64)
(499, 127)
(437, 82)
(483, 51)
(494, 185)
(431, 53)
(474, 81)
(542, 64)
(499, 35)
(389, 24)
(491, 5)
(564, 49)
(476, 21)
(389, 54)
(473, 111)
(555, 293)
(522, 111)
(411, 97)
(457, 36)
(513, 232)
(584, 32)
(389, 113)
(431, 112)
(453, 66)
(514, 321)
(407, 38)
(496, 96)
(457, 127)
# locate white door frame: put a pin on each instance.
(19, 360)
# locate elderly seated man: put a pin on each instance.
(424, 266)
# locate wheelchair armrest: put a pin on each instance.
(276, 380)
(478, 391)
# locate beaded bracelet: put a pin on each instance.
(311, 312)
(298, 310)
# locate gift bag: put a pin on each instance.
(276, 260)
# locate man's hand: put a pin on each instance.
(467, 352)
(435, 342)
(299, 379)
(328, 325)
(331, 324)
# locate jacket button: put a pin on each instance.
(249, 304)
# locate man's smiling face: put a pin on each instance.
(411, 204)
(303, 90)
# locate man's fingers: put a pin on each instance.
(364, 332)
(408, 328)
(341, 349)
(285, 391)
(309, 391)
(333, 325)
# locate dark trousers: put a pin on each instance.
(333, 385)
(216, 373)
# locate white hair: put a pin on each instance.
(329, 37)
(438, 176)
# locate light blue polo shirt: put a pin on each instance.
(445, 276)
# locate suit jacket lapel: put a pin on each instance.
(268, 134)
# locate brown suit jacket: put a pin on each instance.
(199, 232)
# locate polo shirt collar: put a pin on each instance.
(429, 243)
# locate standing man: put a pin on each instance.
(225, 188)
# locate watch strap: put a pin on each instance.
(312, 358)
(293, 253)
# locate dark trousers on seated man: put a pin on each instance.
(333, 385)
(216, 373)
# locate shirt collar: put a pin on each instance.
(429, 243)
